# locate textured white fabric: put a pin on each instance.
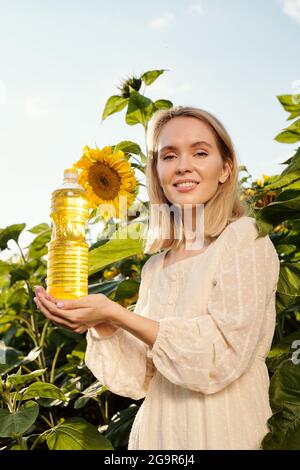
(205, 380)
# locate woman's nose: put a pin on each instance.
(184, 163)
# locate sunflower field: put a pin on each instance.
(48, 397)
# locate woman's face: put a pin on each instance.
(187, 151)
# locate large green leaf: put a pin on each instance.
(125, 242)
(140, 109)
(43, 390)
(77, 434)
(288, 176)
(16, 424)
(285, 402)
(288, 287)
(277, 212)
(150, 76)
(12, 232)
(113, 105)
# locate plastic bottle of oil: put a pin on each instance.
(67, 270)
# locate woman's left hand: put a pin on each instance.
(77, 314)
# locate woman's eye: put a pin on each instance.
(197, 153)
(168, 156)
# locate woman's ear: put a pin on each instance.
(226, 171)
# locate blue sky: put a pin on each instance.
(60, 61)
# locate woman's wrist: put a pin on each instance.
(115, 313)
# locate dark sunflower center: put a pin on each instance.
(104, 180)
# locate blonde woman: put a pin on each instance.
(196, 344)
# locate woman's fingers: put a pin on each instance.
(39, 290)
(54, 318)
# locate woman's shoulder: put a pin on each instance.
(151, 263)
(243, 227)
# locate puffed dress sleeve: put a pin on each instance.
(119, 361)
(208, 352)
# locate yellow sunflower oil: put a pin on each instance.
(67, 269)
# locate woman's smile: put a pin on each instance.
(185, 187)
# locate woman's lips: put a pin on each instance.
(185, 189)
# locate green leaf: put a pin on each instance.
(291, 134)
(290, 175)
(77, 434)
(9, 358)
(38, 247)
(18, 299)
(282, 351)
(16, 379)
(162, 104)
(264, 228)
(5, 268)
(16, 424)
(113, 105)
(19, 274)
(12, 232)
(277, 212)
(128, 147)
(39, 228)
(140, 109)
(14, 358)
(43, 390)
(126, 289)
(291, 104)
(288, 287)
(119, 427)
(93, 391)
(125, 242)
(150, 76)
(285, 402)
(105, 287)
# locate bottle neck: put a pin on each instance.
(70, 180)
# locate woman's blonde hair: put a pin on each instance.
(223, 208)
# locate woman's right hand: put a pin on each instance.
(103, 328)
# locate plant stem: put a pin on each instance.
(22, 443)
(54, 364)
(34, 324)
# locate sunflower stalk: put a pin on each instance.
(34, 323)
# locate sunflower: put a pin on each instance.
(108, 179)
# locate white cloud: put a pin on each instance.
(195, 8)
(162, 21)
(36, 106)
(292, 8)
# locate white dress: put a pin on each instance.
(205, 380)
